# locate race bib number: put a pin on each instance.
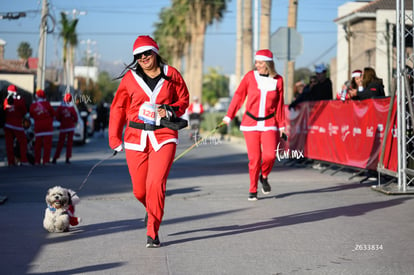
(148, 113)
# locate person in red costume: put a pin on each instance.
(263, 119)
(66, 115)
(350, 89)
(42, 113)
(148, 83)
(15, 108)
(194, 112)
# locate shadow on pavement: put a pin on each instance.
(299, 218)
(85, 269)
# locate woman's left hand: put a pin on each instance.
(283, 135)
(162, 112)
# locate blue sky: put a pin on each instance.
(114, 25)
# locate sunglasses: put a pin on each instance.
(146, 53)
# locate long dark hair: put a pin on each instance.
(134, 65)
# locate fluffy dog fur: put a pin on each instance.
(59, 214)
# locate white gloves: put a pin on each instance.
(120, 148)
(226, 120)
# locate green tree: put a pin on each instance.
(302, 74)
(24, 50)
(107, 86)
(215, 85)
(171, 34)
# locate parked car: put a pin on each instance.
(78, 136)
(222, 104)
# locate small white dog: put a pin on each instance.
(60, 211)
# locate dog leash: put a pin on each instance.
(90, 171)
(176, 158)
(198, 142)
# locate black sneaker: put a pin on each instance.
(265, 185)
(153, 243)
(252, 196)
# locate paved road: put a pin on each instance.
(311, 223)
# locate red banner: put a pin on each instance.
(348, 133)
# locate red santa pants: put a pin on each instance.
(44, 142)
(149, 171)
(9, 135)
(61, 142)
(261, 151)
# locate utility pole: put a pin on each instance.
(41, 64)
(290, 75)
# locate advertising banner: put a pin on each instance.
(348, 133)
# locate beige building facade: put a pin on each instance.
(365, 35)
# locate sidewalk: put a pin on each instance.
(311, 223)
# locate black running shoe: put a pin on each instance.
(153, 243)
(252, 196)
(265, 185)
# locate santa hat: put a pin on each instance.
(11, 89)
(144, 43)
(356, 73)
(67, 98)
(40, 93)
(263, 55)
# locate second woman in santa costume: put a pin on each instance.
(264, 119)
(149, 146)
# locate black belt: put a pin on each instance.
(259, 118)
(144, 126)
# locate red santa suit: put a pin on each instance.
(196, 108)
(149, 147)
(42, 113)
(263, 117)
(15, 109)
(67, 116)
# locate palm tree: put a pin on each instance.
(181, 34)
(170, 33)
(247, 36)
(239, 42)
(265, 13)
(70, 41)
(201, 13)
(24, 51)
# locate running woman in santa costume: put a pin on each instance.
(149, 91)
(264, 119)
(42, 113)
(66, 115)
(15, 108)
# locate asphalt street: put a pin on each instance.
(311, 222)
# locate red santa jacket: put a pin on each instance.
(264, 100)
(15, 113)
(42, 113)
(130, 97)
(66, 115)
(196, 108)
